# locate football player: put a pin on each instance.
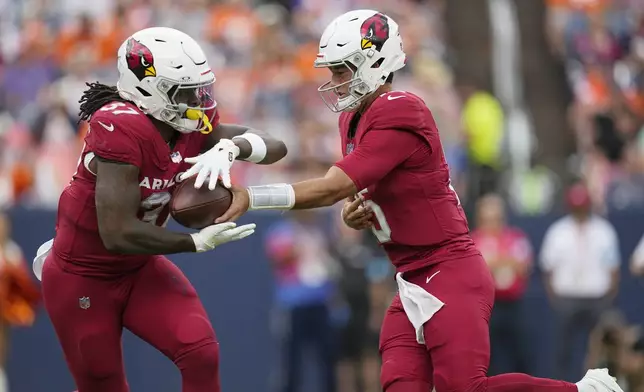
(435, 333)
(104, 270)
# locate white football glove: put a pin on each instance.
(214, 163)
(210, 237)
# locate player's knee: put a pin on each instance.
(408, 386)
(207, 357)
(198, 345)
(460, 384)
(204, 358)
(398, 376)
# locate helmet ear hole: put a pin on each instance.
(143, 92)
(378, 62)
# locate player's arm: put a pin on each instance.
(322, 192)
(319, 192)
(550, 257)
(227, 143)
(377, 154)
(117, 203)
(254, 145)
(637, 260)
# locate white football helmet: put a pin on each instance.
(166, 74)
(369, 44)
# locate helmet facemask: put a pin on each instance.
(190, 106)
(358, 89)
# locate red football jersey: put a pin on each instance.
(396, 158)
(119, 132)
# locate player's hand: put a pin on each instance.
(214, 163)
(215, 235)
(239, 206)
(357, 216)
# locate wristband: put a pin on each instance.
(271, 197)
(257, 145)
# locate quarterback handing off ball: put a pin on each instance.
(198, 208)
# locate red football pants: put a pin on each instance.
(456, 353)
(157, 303)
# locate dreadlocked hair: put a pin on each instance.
(95, 97)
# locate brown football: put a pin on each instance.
(198, 208)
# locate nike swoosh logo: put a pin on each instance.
(396, 97)
(430, 277)
(109, 129)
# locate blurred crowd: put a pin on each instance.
(601, 46)
(601, 43)
(329, 279)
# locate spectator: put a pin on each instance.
(304, 288)
(607, 342)
(633, 363)
(626, 190)
(580, 259)
(358, 365)
(509, 256)
(483, 122)
(18, 293)
(637, 260)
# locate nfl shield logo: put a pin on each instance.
(175, 157)
(349, 149)
(84, 303)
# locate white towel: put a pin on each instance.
(419, 305)
(41, 255)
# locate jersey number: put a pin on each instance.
(114, 109)
(383, 231)
(383, 234)
(153, 206)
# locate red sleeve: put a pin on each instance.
(378, 153)
(111, 137)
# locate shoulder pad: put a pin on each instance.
(397, 110)
(122, 116)
(117, 131)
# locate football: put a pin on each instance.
(198, 208)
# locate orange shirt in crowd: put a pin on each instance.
(19, 295)
(222, 16)
(578, 5)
